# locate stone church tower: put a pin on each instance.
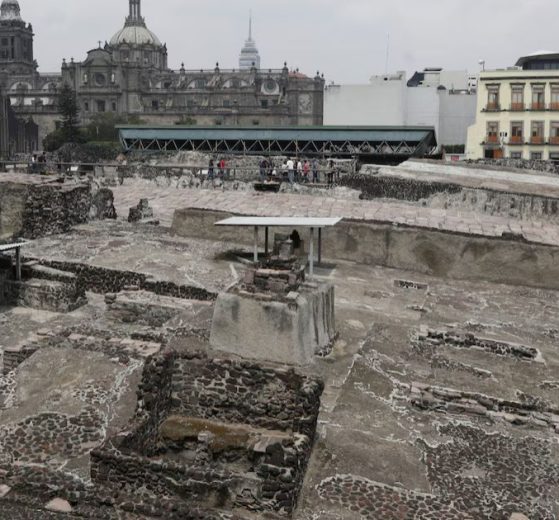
(16, 40)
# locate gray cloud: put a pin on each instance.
(345, 39)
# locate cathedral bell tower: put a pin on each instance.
(16, 40)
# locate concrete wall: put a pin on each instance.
(374, 104)
(391, 102)
(301, 328)
(437, 253)
(422, 107)
(456, 114)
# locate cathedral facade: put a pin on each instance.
(129, 75)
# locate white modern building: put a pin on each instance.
(518, 111)
(445, 100)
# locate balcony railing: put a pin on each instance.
(517, 107)
(554, 140)
(536, 139)
(516, 139)
(538, 106)
(493, 106)
(492, 139)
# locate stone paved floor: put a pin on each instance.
(498, 179)
(166, 199)
(381, 453)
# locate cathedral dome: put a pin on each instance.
(135, 31)
(9, 10)
(135, 35)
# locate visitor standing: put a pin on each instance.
(290, 170)
(315, 171)
(331, 167)
(263, 170)
(211, 170)
(306, 170)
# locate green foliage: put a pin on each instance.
(102, 126)
(68, 108)
(53, 141)
(186, 121)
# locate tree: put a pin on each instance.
(68, 108)
(186, 121)
(102, 126)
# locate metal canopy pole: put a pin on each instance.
(311, 255)
(267, 240)
(319, 246)
(255, 244)
(18, 264)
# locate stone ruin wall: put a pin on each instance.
(453, 196)
(104, 281)
(514, 164)
(230, 392)
(33, 211)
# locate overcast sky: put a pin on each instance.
(345, 39)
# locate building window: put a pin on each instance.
(554, 97)
(86, 106)
(114, 106)
(554, 156)
(516, 155)
(264, 103)
(190, 103)
(155, 104)
(554, 133)
(101, 106)
(493, 132)
(4, 42)
(256, 123)
(537, 132)
(536, 156)
(517, 132)
(200, 83)
(517, 97)
(226, 103)
(538, 97)
(493, 97)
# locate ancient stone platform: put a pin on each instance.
(292, 330)
(439, 402)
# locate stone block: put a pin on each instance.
(288, 331)
(58, 505)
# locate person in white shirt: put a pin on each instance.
(299, 177)
(290, 171)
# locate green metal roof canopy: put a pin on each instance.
(335, 141)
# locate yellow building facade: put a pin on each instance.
(518, 111)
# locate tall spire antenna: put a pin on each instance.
(250, 25)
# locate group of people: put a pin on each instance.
(293, 170)
(221, 169)
(297, 171)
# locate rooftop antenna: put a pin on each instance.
(387, 53)
(250, 25)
